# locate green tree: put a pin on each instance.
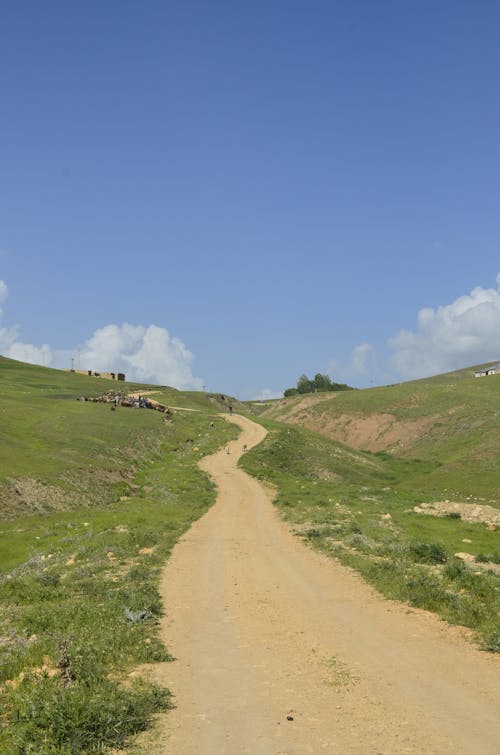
(322, 382)
(304, 385)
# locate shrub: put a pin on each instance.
(492, 643)
(481, 558)
(49, 718)
(454, 569)
(428, 553)
(424, 592)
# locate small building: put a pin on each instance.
(485, 371)
(107, 375)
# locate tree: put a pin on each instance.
(322, 382)
(304, 385)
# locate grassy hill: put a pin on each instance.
(91, 502)
(451, 422)
(57, 452)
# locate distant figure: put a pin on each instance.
(244, 447)
(212, 424)
(227, 449)
(230, 408)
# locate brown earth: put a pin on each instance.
(378, 432)
(281, 650)
(375, 432)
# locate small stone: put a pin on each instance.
(289, 718)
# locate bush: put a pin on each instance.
(424, 592)
(481, 558)
(492, 643)
(454, 569)
(428, 553)
(49, 718)
(319, 383)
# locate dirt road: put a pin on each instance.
(280, 650)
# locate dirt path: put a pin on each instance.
(263, 629)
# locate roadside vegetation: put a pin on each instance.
(359, 507)
(78, 582)
(321, 383)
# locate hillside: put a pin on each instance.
(450, 420)
(91, 503)
(58, 452)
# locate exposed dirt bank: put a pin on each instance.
(374, 432)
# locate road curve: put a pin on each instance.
(281, 650)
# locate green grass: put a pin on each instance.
(85, 577)
(461, 439)
(359, 507)
(58, 453)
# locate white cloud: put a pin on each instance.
(362, 359)
(11, 346)
(455, 335)
(3, 293)
(359, 366)
(145, 354)
(27, 352)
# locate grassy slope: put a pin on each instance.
(461, 441)
(66, 452)
(68, 575)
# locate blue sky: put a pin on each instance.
(231, 194)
